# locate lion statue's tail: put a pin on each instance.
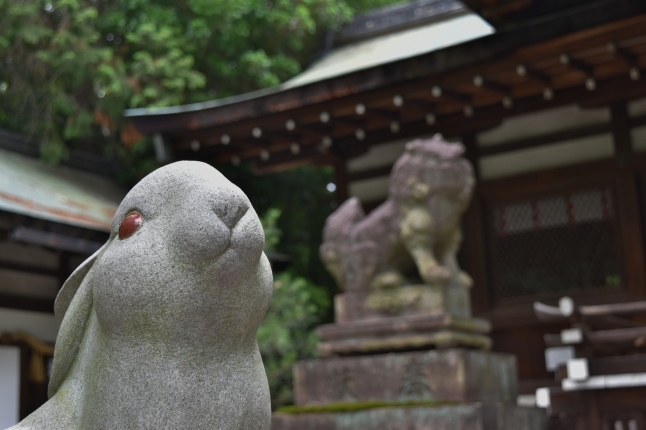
(336, 234)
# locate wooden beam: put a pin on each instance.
(525, 71)
(28, 268)
(482, 82)
(341, 180)
(627, 57)
(629, 90)
(383, 114)
(577, 65)
(484, 118)
(252, 152)
(622, 137)
(313, 154)
(58, 241)
(265, 168)
(422, 107)
(452, 96)
(619, 364)
(620, 337)
(27, 303)
(553, 313)
(347, 123)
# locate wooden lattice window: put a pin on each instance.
(554, 243)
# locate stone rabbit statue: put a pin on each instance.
(158, 327)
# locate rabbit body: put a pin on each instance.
(159, 328)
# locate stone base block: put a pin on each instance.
(472, 416)
(403, 333)
(408, 300)
(456, 375)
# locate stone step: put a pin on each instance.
(407, 300)
(469, 416)
(402, 333)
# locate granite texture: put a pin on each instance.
(158, 328)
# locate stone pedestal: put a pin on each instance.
(452, 298)
(453, 389)
(405, 333)
(406, 358)
(405, 318)
(454, 375)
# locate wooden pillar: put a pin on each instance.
(621, 133)
(341, 180)
(627, 202)
(473, 228)
(470, 142)
(64, 270)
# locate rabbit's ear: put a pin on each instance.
(77, 311)
(67, 292)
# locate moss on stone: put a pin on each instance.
(358, 406)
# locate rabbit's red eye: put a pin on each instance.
(130, 224)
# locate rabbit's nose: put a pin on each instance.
(230, 213)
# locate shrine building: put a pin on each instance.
(549, 99)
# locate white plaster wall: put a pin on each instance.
(546, 157)
(9, 385)
(637, 107)
(377, 156)
(502, 165)
(544, 122)
(639, 138)
(38, 324)
(370, 189)
(517, 162)
(24, 284)
(28, 254)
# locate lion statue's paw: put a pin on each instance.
(435, 274)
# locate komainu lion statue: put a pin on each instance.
(415, 234)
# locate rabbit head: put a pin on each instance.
(183, 267)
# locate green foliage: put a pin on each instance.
(287, 333)
(270, 226)
(298, 304)
(305, 203)
(68, 68)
